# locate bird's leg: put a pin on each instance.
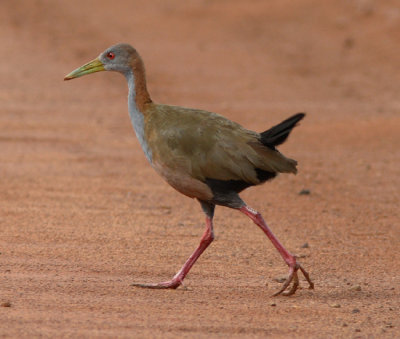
(205, 241)
(289, 258)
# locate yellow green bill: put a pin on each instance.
(91, 67)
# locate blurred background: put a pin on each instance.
(79, 201)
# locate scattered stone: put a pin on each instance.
(366, 8)
(348, 43)
(358, 330)
(305, 191)
(272, 304)
(345, 325)
(335, 305)
(301, 256)
(356, 310)
(305, 245)
(280, 280)
(356, 288)
(6, 304)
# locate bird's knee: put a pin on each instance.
(253, 211)
(208, 237)
(211, 236)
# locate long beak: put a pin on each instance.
(91, 67)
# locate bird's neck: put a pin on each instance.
(138, 97)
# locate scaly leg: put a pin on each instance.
(205, 241)
(289, 258)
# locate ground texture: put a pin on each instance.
(83, 215)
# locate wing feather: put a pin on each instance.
(207, 145)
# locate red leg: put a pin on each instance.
(289, 258)
(177, 280)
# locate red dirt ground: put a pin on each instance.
(83, 216)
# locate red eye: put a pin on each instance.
(110, 55)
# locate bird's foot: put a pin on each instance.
(173, 284)
(293, 277)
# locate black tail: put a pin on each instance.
(279, 133)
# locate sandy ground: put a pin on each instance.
(82, 214)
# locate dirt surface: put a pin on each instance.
(83, 215)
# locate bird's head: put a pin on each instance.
(119, 58)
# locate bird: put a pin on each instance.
(202, 155)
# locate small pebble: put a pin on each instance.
(356, 310)
(358, 330)
(272, 304)
(348, 43)
(6, 304)
(305, 191)
(355, 288)
(280, 280)
(302, 256)
(345, 325)
(335, 305)
(305, 245)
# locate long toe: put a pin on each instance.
(294, 287)
(307, 276)
(292, 273)
(172, 284)
(293, 277)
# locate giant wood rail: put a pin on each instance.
(202, 155)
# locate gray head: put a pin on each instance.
(121, 58)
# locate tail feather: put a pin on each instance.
(279, 133)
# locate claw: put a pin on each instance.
(307, 276)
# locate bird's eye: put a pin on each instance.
(110, 55)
